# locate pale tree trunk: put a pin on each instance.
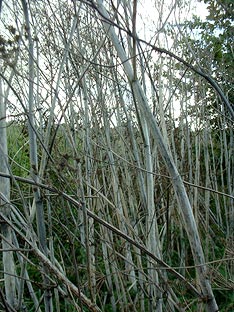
(34, 158)
(7, 256)
(88, 223)
(182, 198)
(153, 241)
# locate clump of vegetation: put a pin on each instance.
(116, 177)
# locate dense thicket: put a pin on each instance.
(116, 157)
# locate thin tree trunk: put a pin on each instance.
(34, 158)
(7, 258)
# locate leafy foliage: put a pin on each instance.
(212, 45)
